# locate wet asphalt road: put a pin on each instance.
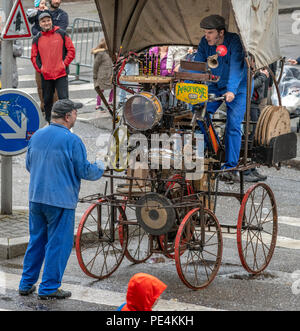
(232, 289)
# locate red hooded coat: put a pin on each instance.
(143, 291)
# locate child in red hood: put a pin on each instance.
(143, 291)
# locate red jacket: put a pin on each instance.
(51, 53)
(143, 291)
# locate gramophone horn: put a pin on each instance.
(212, 61)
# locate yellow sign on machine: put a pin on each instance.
(191, 93)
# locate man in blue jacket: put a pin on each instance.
(233, 83)
(57, 161)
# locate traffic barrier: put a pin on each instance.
(85, 34)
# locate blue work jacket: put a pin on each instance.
(232, 67)
(57, 161)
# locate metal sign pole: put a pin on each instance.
(6, 80)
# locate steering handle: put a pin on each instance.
(213, 98)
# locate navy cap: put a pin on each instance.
(213, 22)
(64, 106)
(45, 14)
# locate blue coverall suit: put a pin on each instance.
(57, 161)
(233, 72)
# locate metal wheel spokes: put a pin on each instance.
(138, 244)
(257, 228)
(167, 244)
(98, 247)
(176, 191)
(198, 249)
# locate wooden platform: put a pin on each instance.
(147, 79)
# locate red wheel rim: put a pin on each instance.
(194, 264)
(257, 228)
(97, 255)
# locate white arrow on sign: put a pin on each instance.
(20, 132)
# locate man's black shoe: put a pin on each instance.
(226, 177)
(59, 294)
(250, 178)
(230, 177)
(27, 292)
(258, 175)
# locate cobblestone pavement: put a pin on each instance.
(15, 225)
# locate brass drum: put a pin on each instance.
(143, 111)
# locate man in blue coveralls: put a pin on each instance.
(233, 84)
(57, 161)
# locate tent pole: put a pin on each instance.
(249, 94)
(114, 58)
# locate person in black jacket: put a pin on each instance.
(33, 15)
(59, 17)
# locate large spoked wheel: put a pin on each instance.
(98, 248)
(138, 244)
(198, 248)
(257, 228)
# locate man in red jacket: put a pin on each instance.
(51, 54)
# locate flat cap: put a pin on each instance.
(45, 14)
(213, 22)
(64, 106)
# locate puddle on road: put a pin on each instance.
(246, 276)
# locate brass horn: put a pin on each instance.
(212, 61)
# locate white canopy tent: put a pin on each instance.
(138, 24)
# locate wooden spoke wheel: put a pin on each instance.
(138, 244)
(98, 248)
(257, 228)
(198, 248)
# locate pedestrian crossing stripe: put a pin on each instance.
(103, 297)
(72, 88)
(293, 221)
(281, 242)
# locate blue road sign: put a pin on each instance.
(20, 117)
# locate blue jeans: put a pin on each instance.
(233, 134)
(51, 240)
